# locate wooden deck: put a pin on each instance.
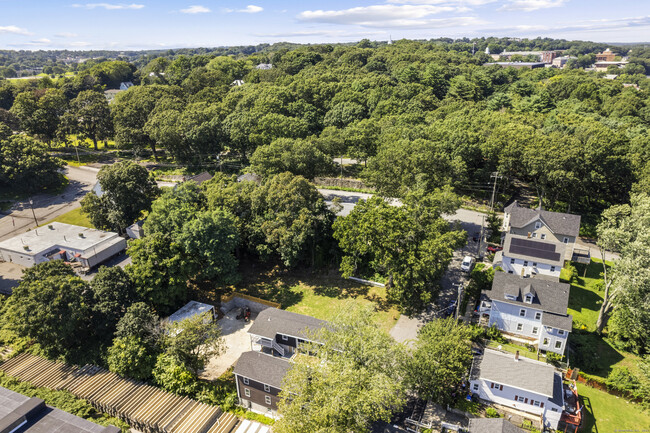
(144, 407)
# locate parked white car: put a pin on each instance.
(468, 263)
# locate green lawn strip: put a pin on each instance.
(595, 356)
(74, 217)
(319, 295)
(513, 348)
(604, 412)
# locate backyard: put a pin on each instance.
(318, 294)
(606, 413)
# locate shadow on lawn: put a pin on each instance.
(592, 354)
(589, 422)
(582, 298)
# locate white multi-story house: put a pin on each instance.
(519, 383)
(542, 225)
(533, 310)
(529, 257)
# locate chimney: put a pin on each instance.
(529, 235)
(517, 356)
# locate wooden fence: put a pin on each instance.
(144, 407)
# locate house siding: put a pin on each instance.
(257, 394)
(518, 267)
(505, 395)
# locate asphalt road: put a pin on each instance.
(47, 207)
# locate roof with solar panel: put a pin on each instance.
(534, 250)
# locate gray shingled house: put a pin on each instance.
(492, 425)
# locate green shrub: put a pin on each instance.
(553, 358)
(491, 412)
(493, 333)
(621, 379)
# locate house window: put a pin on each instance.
(534, 234)
(522, 312)
(476, 387)
(545, 342)
(285, 338)
(525, 262)
(560, 331)
(565, 240)
(247, 392)
(552, 268)
(543, 236)
(512, 261)
(246, 381)
(534, 264)
(520, 326)
(554, 409)
(500, 387)
(535, 330)
(521, 399)
(536, 403)
(538, 315)
(491, 385)
(558, 344)
(529, 299)
(267, 399)
(267, 388)
(510, 272)
(538, 225)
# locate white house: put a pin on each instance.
(528, 257)
(87, 246)
(534, 310)
(519, 383)
(542, 225)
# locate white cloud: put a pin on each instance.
(391, 16)
(66, 35)
(196, 9)
(322, 33)
(251, 9)
(108, 6)
(602, 25)
(15, 30)
(531, 5)
(440, 2)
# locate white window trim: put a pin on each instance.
(538, 316)
(558, 344)
(522, 312)
(535, 330)
(543, 236)
(267, 388)
(552, 268)
(545, 342)
(247, 392)
(560, 331)
(285, 337)
(245, 380)
(520, 326)
(267, 399)
(525, 262)
(565, 240)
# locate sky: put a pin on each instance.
(162, 24)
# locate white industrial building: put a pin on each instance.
(87, 246)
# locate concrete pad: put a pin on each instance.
(237, 341)
(10, 276)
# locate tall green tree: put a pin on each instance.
(299, 157)
(440, 361)
(353, 378)
(25, 165)
(127, 191)
(40, 112)
(411, 245)
(89, 116)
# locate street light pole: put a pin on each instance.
(460, 289)
(31, 204)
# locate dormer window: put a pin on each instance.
(565, 240)
(529, 299)
(538, 225)
(511, 297)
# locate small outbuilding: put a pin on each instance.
(191, 309)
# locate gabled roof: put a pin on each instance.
(535, 250)
(525, 374)
(273, 321)
(550, 296)
(200, 178)
(557, 222)
(558, 321)
(263, 368)
(492, 425)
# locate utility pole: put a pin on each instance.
(496, 176)
(76, 148)
(480, 238)
(460, 290)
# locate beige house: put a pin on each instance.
(542, 225)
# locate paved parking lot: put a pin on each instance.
(237, 341)
(10, 276)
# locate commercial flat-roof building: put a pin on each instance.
(517, 65)
(22, 414)
(55, 241)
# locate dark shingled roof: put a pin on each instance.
(272, 321)
(558, 321)
(559, 223)
(550, 296)
(492, 425)
(526, 374)
(200, 178)
(15, 408)
(262, 368)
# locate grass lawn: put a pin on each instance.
(594, 355)
(74, 217)
(321, 295)
(606, 413)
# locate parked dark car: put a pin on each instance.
(494, 248)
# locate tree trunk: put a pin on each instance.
(153, 150)
(606, 307)
(95, 142)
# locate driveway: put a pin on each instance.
(237, 341)
(10, 276)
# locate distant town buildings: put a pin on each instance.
(560, 62)
(517, 65)
(606, 56)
